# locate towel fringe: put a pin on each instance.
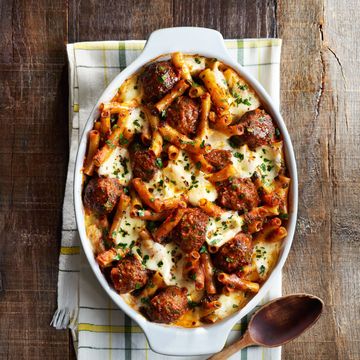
(61, 319)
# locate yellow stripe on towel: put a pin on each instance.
(109, 328)
(70, 250)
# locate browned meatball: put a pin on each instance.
(129, 275)
(143, 162)
(218, 158)
(234, 254)
(190, 233)
(237, 194)
(183, 115)
(168, 305)
(102, 194)
(258, 128)
(157, 79)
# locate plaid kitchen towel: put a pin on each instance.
(101, 330)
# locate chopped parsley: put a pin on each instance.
(136, 123)
(262, 270)
(239, 156)
(163, 114)
(192, 276)
(187, 167)
(110, 144)
(242, 87)
(159, 163)
(263, 167)
(203, 249)
(239, 100)
(284, 216)
(192, 304)
(183, 142)
(145, 259)
(160, 263)
(277, 133)
(123, 232)
(121, 245)
(197, 60)
(117, 257)
(123, 140)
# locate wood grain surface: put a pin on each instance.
(320, 105)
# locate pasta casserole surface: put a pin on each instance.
(185, 191)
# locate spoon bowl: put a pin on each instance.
(277, 322)
(284, 319)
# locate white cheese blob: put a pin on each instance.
(267, 160)
(218, 140)
(166, 259)
(117, 166)
(243, 99)
(265, 255)
(221, 230)
(130, 90)
(136, 121)
(201, 189)
(195, 64)
(129, 229)
(180, 172)
(230, 303)
(220, 78)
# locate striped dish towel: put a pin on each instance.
(101, 330)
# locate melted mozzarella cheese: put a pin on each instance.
(202, 189)
(180, 172)
(130, 90)
(243, 99)
(264, 159)
(155, 257)
(164, 259)
(117, 166)
(195, 64)
(230, 303)
(135, 122)
(221, 230)
(265, 255)
(220, 78)
(218, 140)
(129, 229)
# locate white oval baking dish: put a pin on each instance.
(165, 339)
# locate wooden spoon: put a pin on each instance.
(277, 322)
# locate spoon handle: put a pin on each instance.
(242, 343)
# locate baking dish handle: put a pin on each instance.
(191, 40)
(171, 340)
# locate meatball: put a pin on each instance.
(183, 115)
(157, 79)
(218, 158)
(143, 162)
(190, 233)
(258, 128)
(168, 305)
(237, 194)
(129, 275)
(102, 194)
(234, 254)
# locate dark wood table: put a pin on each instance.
(320, 105)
